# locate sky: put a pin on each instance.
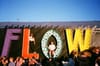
(49, 10)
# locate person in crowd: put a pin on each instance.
(73, 61)
(19, 62)
(1, 61)
(51, 62)
(95, 51)
(17, 59)
(36, 55)
(64, 61)
(5, 61)
(51, 48)
(25, 62)
(97, 63)
(32, 62)
(84, 58)
(35, 60)
(11, 62)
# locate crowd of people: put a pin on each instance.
(89, 57)
(19, 61)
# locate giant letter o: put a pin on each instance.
(44, 42)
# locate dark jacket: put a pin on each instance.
(84, 61)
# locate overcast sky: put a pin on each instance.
(49, 10)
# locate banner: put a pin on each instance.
(23, 39)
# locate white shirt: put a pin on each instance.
(52, 47)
